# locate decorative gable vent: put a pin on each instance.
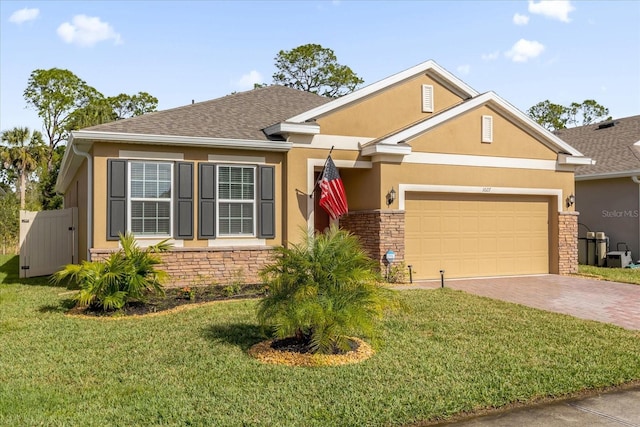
(427, 98)
(487, 128)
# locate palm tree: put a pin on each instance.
(23, 154)
(323, 291)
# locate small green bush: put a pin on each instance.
(126, 275)
(323, 291)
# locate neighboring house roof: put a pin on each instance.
(614, 145)
(238, 116)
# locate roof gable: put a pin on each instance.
(430, 67)
(490, 98)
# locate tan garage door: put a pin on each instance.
(476, 235)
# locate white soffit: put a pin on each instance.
(431, 67)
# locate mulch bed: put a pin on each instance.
(282, 352)
(174, 298)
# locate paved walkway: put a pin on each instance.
(610, 302)
(619, 408)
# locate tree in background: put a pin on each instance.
(315, 69)
(126, 106)
(555, 116)
(10, 220)
(66, 103)
(56, 94)
(23, 152)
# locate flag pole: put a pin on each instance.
(321, 173)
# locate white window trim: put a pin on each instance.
(253, 201)
(130, 199)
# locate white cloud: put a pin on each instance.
(86, 31)
(490, 56)
(520, 19)
(554, 9)
(24, 15)
(464, 69)
(248, 80)
(523, 50)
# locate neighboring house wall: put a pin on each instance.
(612, 206)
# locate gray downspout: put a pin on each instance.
(89, 198)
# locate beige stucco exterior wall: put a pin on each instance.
(104, 151)
(463, 135)
(76, 197)
(387, 111)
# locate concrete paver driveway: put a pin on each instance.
(610, 302)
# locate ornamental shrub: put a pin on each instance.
(323, 291)
(127, 275)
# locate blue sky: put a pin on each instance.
(526, 51)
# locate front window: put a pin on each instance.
(236, 200)
(150, 203)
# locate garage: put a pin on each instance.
(471, 235)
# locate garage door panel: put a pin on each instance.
(476, 235)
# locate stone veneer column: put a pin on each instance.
(568, 242)
(378, 230)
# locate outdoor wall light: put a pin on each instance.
(571, 200)
(391, 196)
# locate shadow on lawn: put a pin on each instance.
(10, 270)
(62, 307)
(244, 335)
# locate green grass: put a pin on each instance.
(450, 352)
(624, 275)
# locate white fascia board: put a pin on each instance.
(480, 161)
(398, 149)
(185, 141)
(489, 97)
(608, 175)
(299, 128)
(432, 66)
(564, 159)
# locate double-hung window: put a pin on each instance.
(150, 199)
(236, 200)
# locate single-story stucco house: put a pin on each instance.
(481, 189)
(608, 192)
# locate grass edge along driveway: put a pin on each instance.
(449, 353)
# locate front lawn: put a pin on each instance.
(449, 353)
(623, 275)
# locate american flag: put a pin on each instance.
(333, 198)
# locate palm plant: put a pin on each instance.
(127, 275)
(23, 153)
(323, 291)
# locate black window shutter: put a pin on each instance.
(207, 201)
(266, 202)
(184, 201)
(116, 198)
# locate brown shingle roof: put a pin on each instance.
(611, 147)
(238, 116)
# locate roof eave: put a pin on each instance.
(609, 175)
(286, 128)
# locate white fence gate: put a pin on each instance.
(48, 240)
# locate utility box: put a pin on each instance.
(619, 259)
